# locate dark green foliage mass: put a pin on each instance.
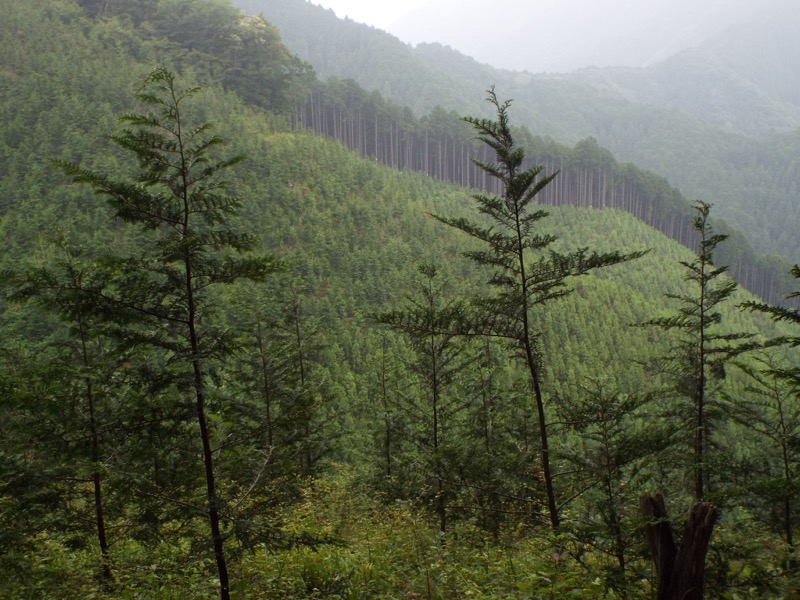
(608, 458)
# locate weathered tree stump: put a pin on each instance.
(681, 569)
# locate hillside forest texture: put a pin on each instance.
(450, 359)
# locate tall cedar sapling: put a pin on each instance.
(163, 297)
(696, 360)
(428, 321)
(302, 404)
(613, 438)
(527, 274)
(770, 379)
(69, 289)
(699, 355)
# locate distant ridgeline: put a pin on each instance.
(440, 145)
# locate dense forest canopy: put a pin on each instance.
(201, 393)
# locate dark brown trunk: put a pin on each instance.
(205, 437)
(218, 542)
(699, 447)
(533, 369)
(95, 453)
(213, 499)
(680, 570)
(552, 508)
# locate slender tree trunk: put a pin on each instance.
(441, 507)
(213, 499)
(533, 369)
(552, 508)
(95, 454)
(266, 392)
(217, 540)
(208, 462)
(699, 448)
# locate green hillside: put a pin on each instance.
(709, 114)
(320, 420)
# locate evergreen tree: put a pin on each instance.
(527, 274)
(777, 387)
(266, 374)
(494, 459)
(770, 410)
(303, 401)
(163, 297)
(430, 321)
(787, 313)
(69, 290)
(698, 357)
(614, 438)
(386, 391)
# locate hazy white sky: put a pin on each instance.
(554, 35)
(378, 13)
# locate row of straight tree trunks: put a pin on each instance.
(443, 149)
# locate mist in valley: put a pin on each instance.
(557, 36)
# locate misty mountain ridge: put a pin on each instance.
(741, 79)
(719, 120)
(728, 64)
(552, 36)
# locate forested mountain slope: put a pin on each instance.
(715, 143)
(743, 79)
(439, 145)
(319, 418)
(337, 219)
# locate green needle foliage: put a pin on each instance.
(164, 296)
(431, 323)
(527, 274)
(698, 358)
(69, 290)
(607, 456)
(771, 412)
(788, 314)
